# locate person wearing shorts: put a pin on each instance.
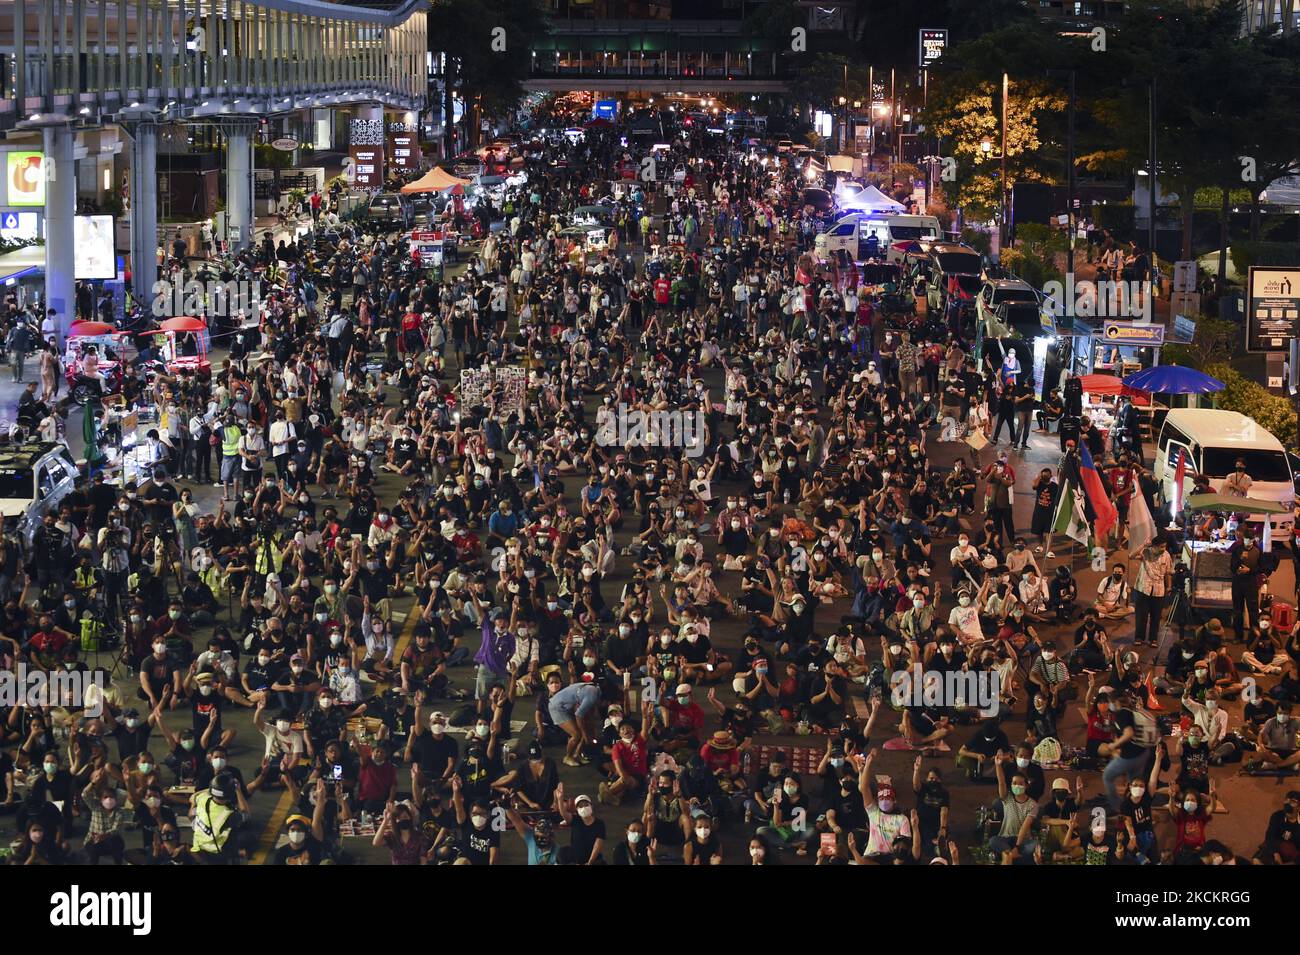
(571, 710)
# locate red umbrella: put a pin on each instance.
(182, 323)
(89, 329)
(1108, 385)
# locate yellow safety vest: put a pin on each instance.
(276, 562)
(230, 436)
(211, 823)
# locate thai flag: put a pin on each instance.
(1102, 507)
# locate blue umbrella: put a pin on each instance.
(1173, 380)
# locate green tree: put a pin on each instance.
(967, 117)
(484, 66)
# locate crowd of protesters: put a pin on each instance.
(702, 530)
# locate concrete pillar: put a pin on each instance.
(60, 239)
(239, 182)
(144, 211)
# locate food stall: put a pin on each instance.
(182, 343)
(111, 348)
(427, 250)
(1101, 395)
(1207, 544)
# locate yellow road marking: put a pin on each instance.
(271, 835)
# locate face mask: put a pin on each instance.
(790, 790)
(1049, 655)
(482, 730)
(633, 837)
(1211, 705)
(1017, 790)
(51, 769)
(684, 700)
(1189, 805)
(585, 812)
(297, 837)
(205, 690)
(703, 833)
(963, 541)
(1201, 673)
(331, 589)
(1022, 762)
(218, 763)
(325, 702)
(964, 601)
(886, 805)
(1137, 792)
(160, 648)
(755, 852)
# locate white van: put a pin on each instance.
(1213, 441)
(912, 227)
(853, 231)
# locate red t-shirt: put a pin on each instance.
(635, 758)
(1191, 830)
(662, 287)
(375, 781)
(49, 642)
(688, 719)
(727, 760)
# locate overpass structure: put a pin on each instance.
(656, 56)
(71, 67)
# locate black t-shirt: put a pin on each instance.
(476, 844)
(585, 835)
(432, 753)
(158, 672)
(1124, 720)
(627, 854)
(930, 802)
(1138, 812)
(131, 742)
(706, 849)
(309, 853)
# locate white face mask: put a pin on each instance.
(297, 837)
(585, 812)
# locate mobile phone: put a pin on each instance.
(828, 844)
(709, 667)
(579, 640)
(336, 771)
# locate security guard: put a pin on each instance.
(217, 822)
(230, 435)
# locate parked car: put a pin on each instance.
(952, 261)
(34, 478)
(392, 209)
(1008, 305)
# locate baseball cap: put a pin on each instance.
(1061, 782)
(683, 689)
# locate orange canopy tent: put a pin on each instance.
(435, 180)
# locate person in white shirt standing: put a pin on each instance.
(281, 436)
